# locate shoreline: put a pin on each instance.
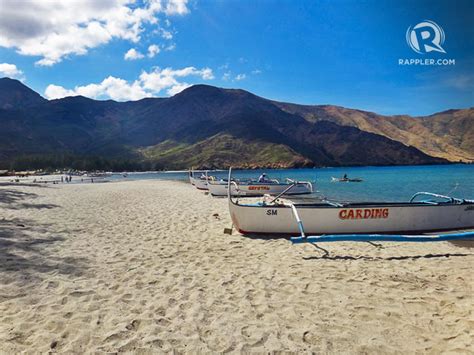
(263, 167)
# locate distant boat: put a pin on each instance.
(335, 179)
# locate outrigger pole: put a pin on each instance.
(380, 238)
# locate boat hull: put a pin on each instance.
(200, 184)
(334, 179)
(258, 189)
(354, 219)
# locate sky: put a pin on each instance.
(338, 52)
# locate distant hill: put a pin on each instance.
(15, 95)
(205, 126)
(448, 135)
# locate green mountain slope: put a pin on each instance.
(223, 151)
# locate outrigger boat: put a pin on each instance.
(365, 221)
(199, 183)
(335, 179)
(254, 188)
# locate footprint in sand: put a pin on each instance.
(133, 325)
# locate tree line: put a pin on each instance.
(52, 162)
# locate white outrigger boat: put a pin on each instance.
(365, 221)
(199, 183)
(254, 188)
(345, 179)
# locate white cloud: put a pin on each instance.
(133, 54)
(147, 85)
(166, 34)
(256, 72)
(10, 70)
(121, 90)
(176, 89)
(207, 74)
(153, 50)
(176, 7)
(171, 47)
(226, 76)
(111, 87)
(55, 29)
(56, 92)
(167, 78)
(240, 77)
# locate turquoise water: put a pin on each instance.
(395, 183)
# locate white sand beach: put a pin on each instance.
(144, 266)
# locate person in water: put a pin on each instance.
(262, 178)
(345, 177)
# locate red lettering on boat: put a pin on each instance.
(363, 213)
(259, 188)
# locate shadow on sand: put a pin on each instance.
(373, 258)
(327, 256)
(25, 244)
(11, 198)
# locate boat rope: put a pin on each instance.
(325, 251)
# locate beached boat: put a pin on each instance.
(282, 216)
(199, 182)
(254, 188)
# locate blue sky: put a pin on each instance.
(311, 52)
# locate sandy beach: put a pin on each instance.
(144, 266)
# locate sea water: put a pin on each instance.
(391, 183)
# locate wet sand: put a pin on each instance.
(145, 266)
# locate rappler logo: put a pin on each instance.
(425, 37)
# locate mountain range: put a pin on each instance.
(206, 126)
